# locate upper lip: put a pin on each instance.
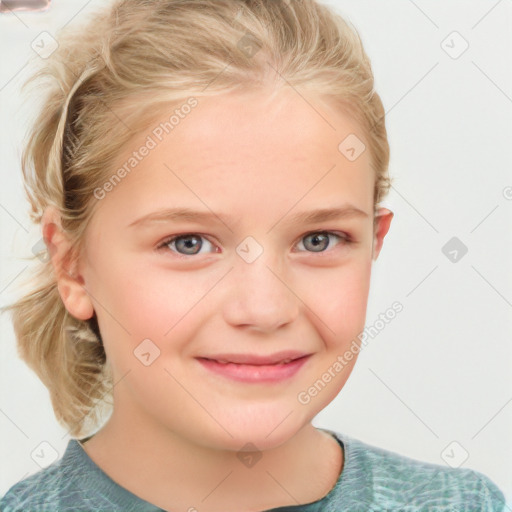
(256, 359)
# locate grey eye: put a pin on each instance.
(191, 244)
(186, 245)
(317, 242)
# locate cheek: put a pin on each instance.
(144, 300)
(130, 306)
(340, 301)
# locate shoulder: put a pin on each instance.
(36, 492)
(399, 481)
(56, 487)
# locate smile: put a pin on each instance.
(249, 368)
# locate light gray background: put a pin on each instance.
(441, 370)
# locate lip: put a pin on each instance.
(256, 368)
(257, 359)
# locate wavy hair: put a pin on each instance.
(106, 82)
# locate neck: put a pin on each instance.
(174, 473)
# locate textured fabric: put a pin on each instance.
(372, 480)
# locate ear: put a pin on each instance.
(71, 286)
(382, 223)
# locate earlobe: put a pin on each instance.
(383, 219)
(70, 285)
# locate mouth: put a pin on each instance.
(255, 368)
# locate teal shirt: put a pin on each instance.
(372, 480)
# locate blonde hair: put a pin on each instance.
(107, 82)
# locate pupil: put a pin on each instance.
(318, 239)
(189, 242)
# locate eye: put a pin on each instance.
(317, 241)
(190, 244)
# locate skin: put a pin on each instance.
(176, 427)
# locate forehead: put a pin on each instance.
(261, 126)
(249, 151)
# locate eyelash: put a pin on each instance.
(163, 246)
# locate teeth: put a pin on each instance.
(286, 361)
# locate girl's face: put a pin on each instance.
(256, 278)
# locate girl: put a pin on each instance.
(208, 178)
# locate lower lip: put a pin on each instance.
(255, 373)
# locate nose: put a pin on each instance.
(259, 298)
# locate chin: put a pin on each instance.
(265, 427)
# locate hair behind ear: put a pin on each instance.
(67, 354)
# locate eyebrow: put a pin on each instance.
(187, 214)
